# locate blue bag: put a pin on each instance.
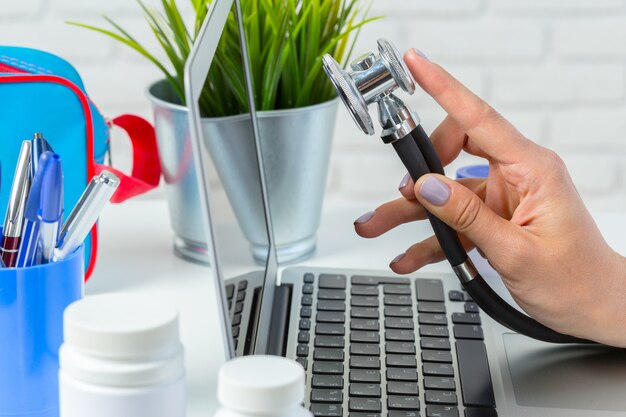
(41, 92)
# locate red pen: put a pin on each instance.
(14, 220)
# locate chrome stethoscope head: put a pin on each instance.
(371, 79)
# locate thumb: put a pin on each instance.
(465, 212)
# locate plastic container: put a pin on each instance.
(122, 357)
(32, 301)
(261, 386)
(473, 171)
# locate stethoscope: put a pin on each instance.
(373, 79)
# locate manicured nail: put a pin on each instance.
(404, 182)
(365, 218)
(435, 191)
(420, 53)
(398, 258)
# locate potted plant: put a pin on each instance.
(296, 107)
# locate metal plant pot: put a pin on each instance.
(296, 148)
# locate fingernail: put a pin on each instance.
(404, 182)
(435, 191)
(420, 53)
(365, 218)
(398, 258)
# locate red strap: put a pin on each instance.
(146, 171)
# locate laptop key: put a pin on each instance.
(362, 301)
(238, 307)
(363, 414)
(400, 402)
(480, 412)
(365, 375)
(435, 343)
(325, 395)
(366, 290)
(433, 331)
(436, 382)
(365, 404)
(442, 411)
(402, 388)
(303, 362)
(236, 320)
(328, 354)
(456, 295)
(235, 332)
(468, 331)
(330, 341)
(429, 290)
(431, 307)
(403, 413)
(471, 307)
(398, 311)
(306, 312)
(364, 349)
(308, 278)
(327, 381)
(397, 289)
(307, 289)
(437, 369)
(330, 329)
(364, 312)
(399, 335)
(302, 350)
(433, 318)
(330, 317)
(331, 294)
(440, 397)
(305, 324)
(332, 281)
(364, 362)
(401, 361)
(243, 285)
(399, 323)
(398, 300)
(303, 337)
(331, 305)
(474, 374)
(364, 324)
(359, 389)
(465, 318)
(372, 280)
(400, 347)
(307, 300)
(241, 295)
(401, 374)
(230, 291)
(439, 356)
(332, 368)
(364, 337)
(327, 410)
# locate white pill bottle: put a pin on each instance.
(261, 386)
(121, 357)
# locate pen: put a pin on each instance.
(51, 212)
(85, 213)
(38, 147)
(12, 232)
(29, 253)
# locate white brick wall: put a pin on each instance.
(556, 68)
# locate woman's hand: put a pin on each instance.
(526, 217)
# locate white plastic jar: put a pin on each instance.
(253, 386)
(121, 357)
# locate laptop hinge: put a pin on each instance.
(279, 325)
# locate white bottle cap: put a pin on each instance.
(261, 385)
(121, 326)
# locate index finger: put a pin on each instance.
(489, 131)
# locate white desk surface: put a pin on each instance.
(135, 255)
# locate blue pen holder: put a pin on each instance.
(32, 301)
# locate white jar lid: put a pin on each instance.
(121, 326)
(261, 384)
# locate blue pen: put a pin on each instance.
(29, 253)
(51, 212)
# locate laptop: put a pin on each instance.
(371, 343)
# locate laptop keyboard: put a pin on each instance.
(385, 346)
(236, 296)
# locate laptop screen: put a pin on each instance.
(226, 153)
